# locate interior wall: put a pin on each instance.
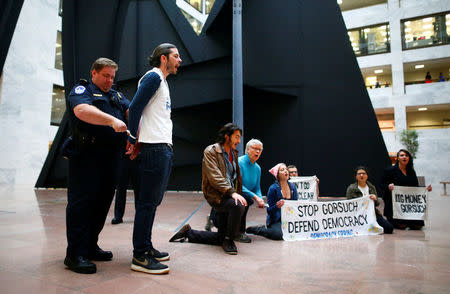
(290, 102)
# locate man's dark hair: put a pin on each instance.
(229, 130)
(163, 49)
(102, 62)
(291, 166)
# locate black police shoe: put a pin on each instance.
(148, 264)
(159, 256)
(80, 265)
(116, 221)
(243, 238)
(229, 247)
(101, 255)
(181, 235)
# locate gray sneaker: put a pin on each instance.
(148, 264)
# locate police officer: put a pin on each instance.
(97, 117)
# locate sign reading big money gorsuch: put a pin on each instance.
(409, 203)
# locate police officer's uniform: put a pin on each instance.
(93, 157)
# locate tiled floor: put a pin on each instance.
(33, 243)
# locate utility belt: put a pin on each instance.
(86, 140)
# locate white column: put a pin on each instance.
(400, 118)
(398, 81)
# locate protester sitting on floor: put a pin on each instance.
(251, 188)
(401, 174)
(279, 191)
(292, 169)
(222, 188)
(361, 188)
(293, 172)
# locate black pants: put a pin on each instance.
(386, 225)
(399, 223)
(403, 224)
(91, 184)
(243, 225)
(272, 232)
(228, 220)
(127, 171)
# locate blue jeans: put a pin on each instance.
(154, 171)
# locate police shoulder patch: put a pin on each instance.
(80, 90)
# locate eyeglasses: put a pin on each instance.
(361, 174)
(256, 148)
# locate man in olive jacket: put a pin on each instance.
(222, 188)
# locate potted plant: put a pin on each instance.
(409, 138)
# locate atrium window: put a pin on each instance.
(386, 119)
(196, 12)
(436, 116)
(58, 105)
(195, 24)
(197, 4)
(356, 4)
(208, 6)
(370, 40)
(58, 53)
(427, 71)
(426, 31)
(60, 10)
(377, 77)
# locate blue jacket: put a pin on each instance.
(273, 196)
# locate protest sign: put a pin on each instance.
(409, 203)
(306, 187)
(302, 220)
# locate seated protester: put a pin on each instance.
(400, 174)
(251, 178)
(222, 188)
(251, 188)
(292, 169)
(361, 188)
(280, 190)
(293, 172)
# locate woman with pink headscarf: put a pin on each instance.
(279, 191)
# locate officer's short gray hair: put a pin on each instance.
(251, 143)
(102, 62)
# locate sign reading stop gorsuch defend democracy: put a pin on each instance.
(306, 187)
(409, 203)
(302, 220)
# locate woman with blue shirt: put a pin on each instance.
(279, 191)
